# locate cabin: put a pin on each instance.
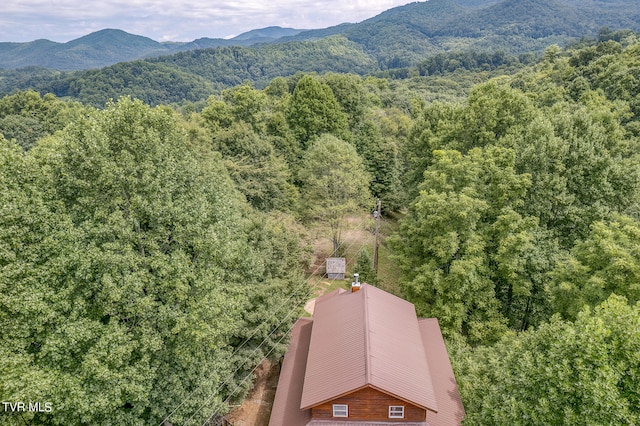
(366, 359)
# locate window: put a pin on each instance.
(396, 411)
(340, 410)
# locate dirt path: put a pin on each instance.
(255, 410)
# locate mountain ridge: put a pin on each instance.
(109, 46)
(397, 37)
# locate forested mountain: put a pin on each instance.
(266, 34)
(152, 257)
(194, 75)
(110, 46)
(392, 44)
(403, 35)
(95, 50)
(399, 37)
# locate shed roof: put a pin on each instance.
(366, 338)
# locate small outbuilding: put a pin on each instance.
(366, 359)
(336, 268)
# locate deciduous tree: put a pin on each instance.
(463, 246)
(132, 273)
(580, 373)
(334, 182)
(313, 110)
(606, 262)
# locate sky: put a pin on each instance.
(175, 20)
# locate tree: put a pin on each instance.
(580, 373)
(313, 110)
(246, 104)
(26, 116)
(334, 182)
(382, 161)
(33, 239)
(607, 262)
(259, 174)
(437, 127)
(601, 167)
(351, 94)
(463, 247)
(581, 168)
(26, 131)
(364, 267)
(136, 275)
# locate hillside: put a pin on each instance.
(232, 65)
(398, 37)
(95, 50)
(250, 38)
(404, 35)
(110, 46)
(267, 34)
(193, 75)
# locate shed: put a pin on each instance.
(336, 268)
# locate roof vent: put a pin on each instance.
(355, 285)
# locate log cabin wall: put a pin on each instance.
(369, 404)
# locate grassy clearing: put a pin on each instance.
(358, 234)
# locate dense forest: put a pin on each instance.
(456, 34)
(152, 255)
(399, 37)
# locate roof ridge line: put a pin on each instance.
(367, 340)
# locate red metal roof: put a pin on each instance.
(451, 410)
(286, 405)
(369, 337)
(365, 338)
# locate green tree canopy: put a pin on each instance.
(26, 116)
(334, 182)
(607, 262)
(135, 274)
(581, 373)
(261, 175)
(463, 248)
(313, 110)
(381, 158)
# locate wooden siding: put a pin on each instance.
(369, 404)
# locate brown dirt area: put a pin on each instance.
(255, 410)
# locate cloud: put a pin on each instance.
(174, 20)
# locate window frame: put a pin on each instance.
(339, 409)
(396, 411)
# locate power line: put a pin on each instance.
(235, 352)
(265, 357)
(308, 293)
(247, 376)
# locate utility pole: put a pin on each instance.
(376, 214)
